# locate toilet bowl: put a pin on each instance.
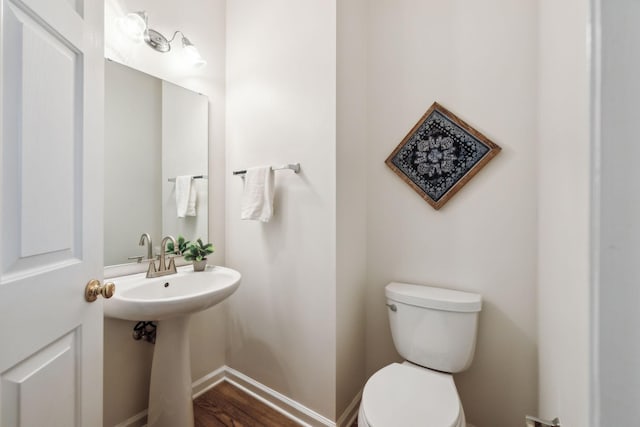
(410, 396)
(434, 329)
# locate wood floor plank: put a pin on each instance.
(227, 406)
(259, 410)
(211, 414)
(229, 414)
(204, 418)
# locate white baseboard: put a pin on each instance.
(279, 402)
(350, 414)
(138, 420)
(207, 382)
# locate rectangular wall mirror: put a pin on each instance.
(154, 132)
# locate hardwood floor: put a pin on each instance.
(227, 406)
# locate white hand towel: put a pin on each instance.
(185, 196)
(257, 197)
(191, 202)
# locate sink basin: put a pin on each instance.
(171, 300)
(139, 298)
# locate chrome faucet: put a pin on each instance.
(163, 269)
(147, 237)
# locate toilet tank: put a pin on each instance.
(433, 327)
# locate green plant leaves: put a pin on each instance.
(198, 251)
(182, 246)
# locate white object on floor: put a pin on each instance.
(434, 329)
(257, 197)
(406, 395)
(185, 196)
(170, 399)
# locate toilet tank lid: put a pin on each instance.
(436, 298)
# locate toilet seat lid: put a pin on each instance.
(404, 395)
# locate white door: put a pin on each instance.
(51, 85)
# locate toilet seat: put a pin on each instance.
(411, 396)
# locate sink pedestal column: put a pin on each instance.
(170, 402)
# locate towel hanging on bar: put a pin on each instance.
(257, 196)
(185, 196)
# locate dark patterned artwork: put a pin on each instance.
(440, 155)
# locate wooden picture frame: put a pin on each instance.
(440, 154)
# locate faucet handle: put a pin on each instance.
(152, 269)
(137, 258)
(172, 265)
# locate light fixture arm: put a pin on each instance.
(185, 41)
(176, 33)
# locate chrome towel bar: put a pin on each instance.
(293, 166)
(193, 177)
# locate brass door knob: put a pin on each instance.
(94, 288)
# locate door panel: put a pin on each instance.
(49, 136)
(24, 387)
(51, 219)
(40, 163)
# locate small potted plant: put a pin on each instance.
(183, 244)
(197, 252)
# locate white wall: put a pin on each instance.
(563, 226)
(479, 60)
(281, 108)
(127, 362)
(351, 214)
(617, 210)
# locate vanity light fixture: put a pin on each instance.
(136, 26)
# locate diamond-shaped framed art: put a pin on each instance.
(440, 155)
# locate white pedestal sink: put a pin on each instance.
(171, 300)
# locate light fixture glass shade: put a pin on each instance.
(194, 56)
(133, 25)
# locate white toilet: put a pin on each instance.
(434, 329)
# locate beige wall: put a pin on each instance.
(564, 204)
(281, 108)
(479, 60)
(351, 214)
(127, 362)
